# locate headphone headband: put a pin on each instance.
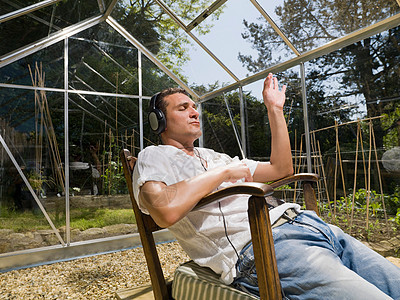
(153, 101)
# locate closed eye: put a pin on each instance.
(186, 105)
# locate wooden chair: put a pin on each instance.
(261, 233)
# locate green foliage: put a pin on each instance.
(389, 120)
(392, 203)
(397, 217)
(152, 27)
(114, 180)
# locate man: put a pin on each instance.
(315, 260)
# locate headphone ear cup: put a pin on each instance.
(157, 121)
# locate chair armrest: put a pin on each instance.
(247, 188)
(308, 191)
(296, 177)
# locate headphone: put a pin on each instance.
(156, 116)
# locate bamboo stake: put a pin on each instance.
(295, 160)
(104, 156)
(126, 139)
(323, 175)
(37, 154)
(363, 157)
(336, 163)
(109, 162)
(341, 170)
(369, 174)
(42, 110)
(380, 180)
(355, 177)
(298, 169)
(48, 124)
(116, 112)
(301, 151)
(295, 147)
(290, 111)
(133, 143)
(41, 135)
(313, 152)
(315, 164)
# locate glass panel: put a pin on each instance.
(170, 44)
(232, 46)
(99, 127)
(203, 73)
(188, 10)
(24, 30)
(257, 130)
(154, 79)
(102, 60)
(67, 13)
(310, 24)
(49, 60)
(363, 98)
(37, 147)
(36, 25)
(218, 132)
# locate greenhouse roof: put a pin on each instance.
(229, 42)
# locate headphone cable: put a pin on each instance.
(226, 231)
(219, 204)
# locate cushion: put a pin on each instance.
(192, 282)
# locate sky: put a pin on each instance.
(225, 41)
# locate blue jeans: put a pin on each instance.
(319, 261)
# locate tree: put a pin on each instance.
(368, 68)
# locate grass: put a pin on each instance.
(102, 217)
(81, 219)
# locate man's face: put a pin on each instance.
(183, 123)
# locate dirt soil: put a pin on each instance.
(378, 228)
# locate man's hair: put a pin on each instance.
(161, 104)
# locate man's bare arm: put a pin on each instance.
(280, 164)
(168, 204)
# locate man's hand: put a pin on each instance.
(236, 171)
(273, 97)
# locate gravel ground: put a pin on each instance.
(96, 277)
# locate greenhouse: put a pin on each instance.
(76, 79)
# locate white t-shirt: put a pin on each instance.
(201, 233)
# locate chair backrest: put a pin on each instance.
(146, 226)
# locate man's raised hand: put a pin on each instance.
(272, 95)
